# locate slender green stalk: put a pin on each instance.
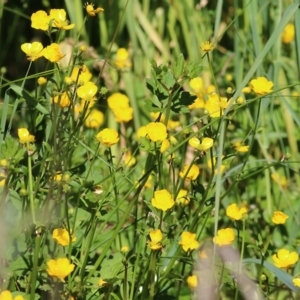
(34, 272)
(30, 184)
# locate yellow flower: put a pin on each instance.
(142, 131)
(239, 147)
(129, 160)
(288, 33)
(87, 91)
(156, 131)
(123, 115)
(63, 100)
(284, 258)
(6, 295)
(207, 46)
(196, 85)
(280, 180)
(94, 119)
(122, 59)
(58, 177)
(33, 50)
(261, 85)
(296, 281)
(194, 142)
(192, 281)
(206, 144)
(224, 237)
(188, 241)
(162, 200)
(102, 282)
(81, 75)
(211, 163)
(59, 19)
(19, 298)
(155, 239)
(125, 249)
(60, 268)
(189, 172)
(62, 236)
(42, 80)
(164, 145)
(279, 217)
(182, 197)
(198, 103)
(91, 10)
(246, 90)
(117, 101)
(40, 20)
(215, 105)
(108, 137)
(235, 213)
(52, 53)
(24, 136)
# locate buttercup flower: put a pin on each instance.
(188, 241)
(192, 281)
(279, 217)
(102, 282)
(91, 10)
(194, 142)
(87, 91)
(288, 33)
(129, 160)
(25, 136)
(59, 19)
(142, 131)
(196, 85)
(182, 197)
(296, 281)
(162, 200)
(125, 249)
(189, 172)
(62, 236)
(63, 100)
(40, 20)
(156, 131)
(94, 119)
(123, 115)
(84, 75)
(117, 101)
(239, 147)
(42, 80)
(165, 144)
(284, 258)
(52, 53)
(207, 46)
(155, 239)
(7, 295)
(224, 237)
(33, 50)
(108, 137)
(206, 144)
(235, 213)
(211, 163)
(122, 59)
(60, 268)
(261, 85)
(215, 105)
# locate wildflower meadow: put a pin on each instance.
(149, 150)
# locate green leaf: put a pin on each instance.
(286, 278)
(180, 105)
(179, 66)
(168, 80)
(111, 267)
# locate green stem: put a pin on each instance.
(35, 266)
(30, 183)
